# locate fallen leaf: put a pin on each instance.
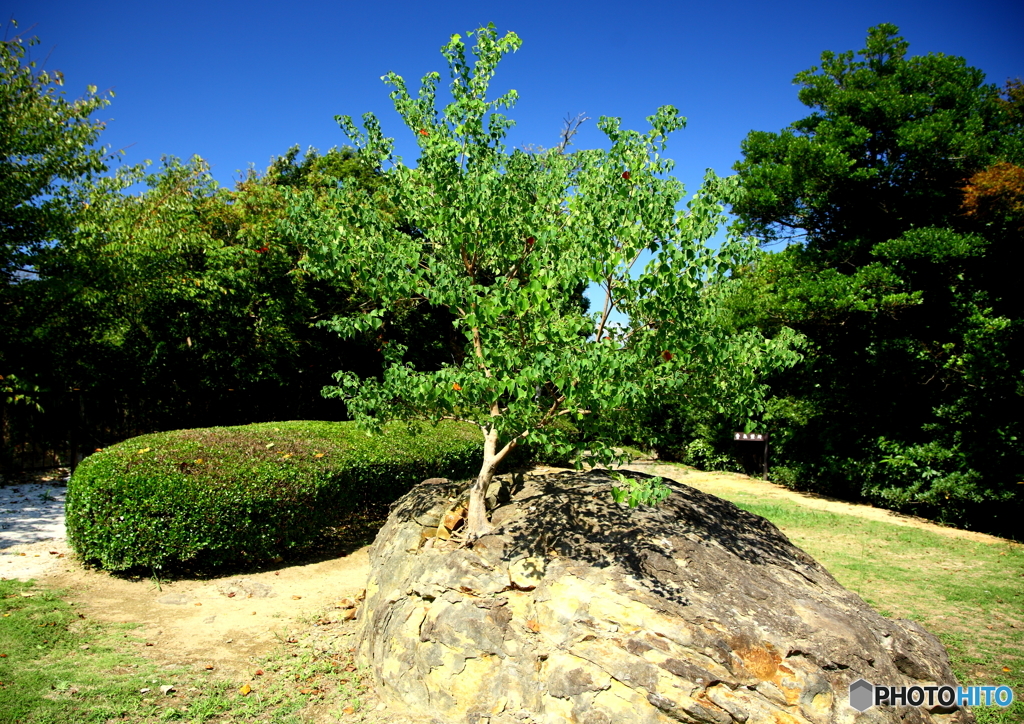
(1007, 669)
(349, 710)
(533, 626)
(231, 595)
(259, 672)
(208, 667)
(319, 455)
(199, 604)
(296, 598)
(244, 691)
(453, 517)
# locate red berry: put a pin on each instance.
(423, 132)
(625, 175)
(456, 386)
(530, 241)
(666, 355)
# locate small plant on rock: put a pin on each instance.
(648, 491)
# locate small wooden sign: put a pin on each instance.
(761, 437)
(750, 436)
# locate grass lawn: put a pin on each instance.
(970, 594)
(56, 665)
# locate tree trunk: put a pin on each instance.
(477, 523)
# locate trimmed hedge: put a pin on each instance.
(228, 494)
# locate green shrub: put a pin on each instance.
(228, 494)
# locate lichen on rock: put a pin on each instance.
(577, 609)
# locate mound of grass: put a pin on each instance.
(255, 492)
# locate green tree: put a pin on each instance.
(183, 305)
(912, 394)
(503, 241)
(46, 142)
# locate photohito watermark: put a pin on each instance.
(864, 695)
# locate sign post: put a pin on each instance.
(755, 437)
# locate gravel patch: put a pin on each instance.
(32, 533)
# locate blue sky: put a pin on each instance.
(239, 82)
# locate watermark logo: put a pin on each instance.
(864, 695)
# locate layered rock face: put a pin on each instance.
(581, 610)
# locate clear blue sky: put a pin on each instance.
(239, 82)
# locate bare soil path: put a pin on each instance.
(222, 622)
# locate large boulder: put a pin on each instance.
(578, 609)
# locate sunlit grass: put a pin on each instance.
(968, 593)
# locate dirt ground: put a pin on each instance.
(221, 621)
(224, 621)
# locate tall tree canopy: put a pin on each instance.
(901, 191)
(46, 142)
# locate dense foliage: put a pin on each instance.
(246, 494)
(902, 193)
(179, 305)
(46, 143)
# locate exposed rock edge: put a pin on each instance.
(580, 610)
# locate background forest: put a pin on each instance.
(890, 219)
